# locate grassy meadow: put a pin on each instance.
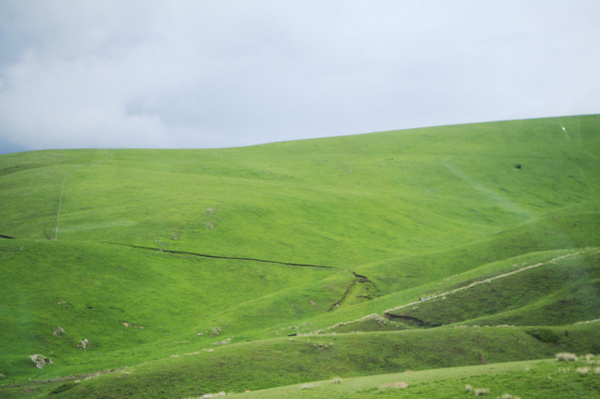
(455, 255)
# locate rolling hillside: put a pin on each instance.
(192, 272)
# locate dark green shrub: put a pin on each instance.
(64, 387)
(544, 335)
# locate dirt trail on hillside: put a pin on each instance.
(488, 280)
(388, 313)
(85, 376)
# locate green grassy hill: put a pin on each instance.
(199, 271)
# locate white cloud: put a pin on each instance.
(206, 74)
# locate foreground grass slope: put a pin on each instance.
(527, 379)
(285, 361)
(150, 254)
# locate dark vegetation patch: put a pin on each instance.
(543, 334)
(18, 168)
(64, 387)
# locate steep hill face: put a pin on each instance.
(145, 251)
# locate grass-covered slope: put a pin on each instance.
(526, 379)
(286, 361)
(150, 254)
(339, 202)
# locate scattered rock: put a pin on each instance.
(40, 360)
(2, 375)
(84, 344)
(59, 331)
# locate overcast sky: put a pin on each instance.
(201, 74)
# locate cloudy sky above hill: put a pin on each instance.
(201, 74)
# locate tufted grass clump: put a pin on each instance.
(208, 395)
(309, 386)
(477, 391)
(583, 370)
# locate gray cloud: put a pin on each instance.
(188, 74)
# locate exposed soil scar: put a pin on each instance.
(420, 322)
(359, 279)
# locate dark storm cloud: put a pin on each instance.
(229, 73)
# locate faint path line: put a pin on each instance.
(586, 322)
(62, 188)
(85, 376)
(578, 138)
(500, 200)
(567, 135)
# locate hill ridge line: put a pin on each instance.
(224, 257)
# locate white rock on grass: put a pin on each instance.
(566, 357)
(59, 331)
(83, 345)
(40, 360)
